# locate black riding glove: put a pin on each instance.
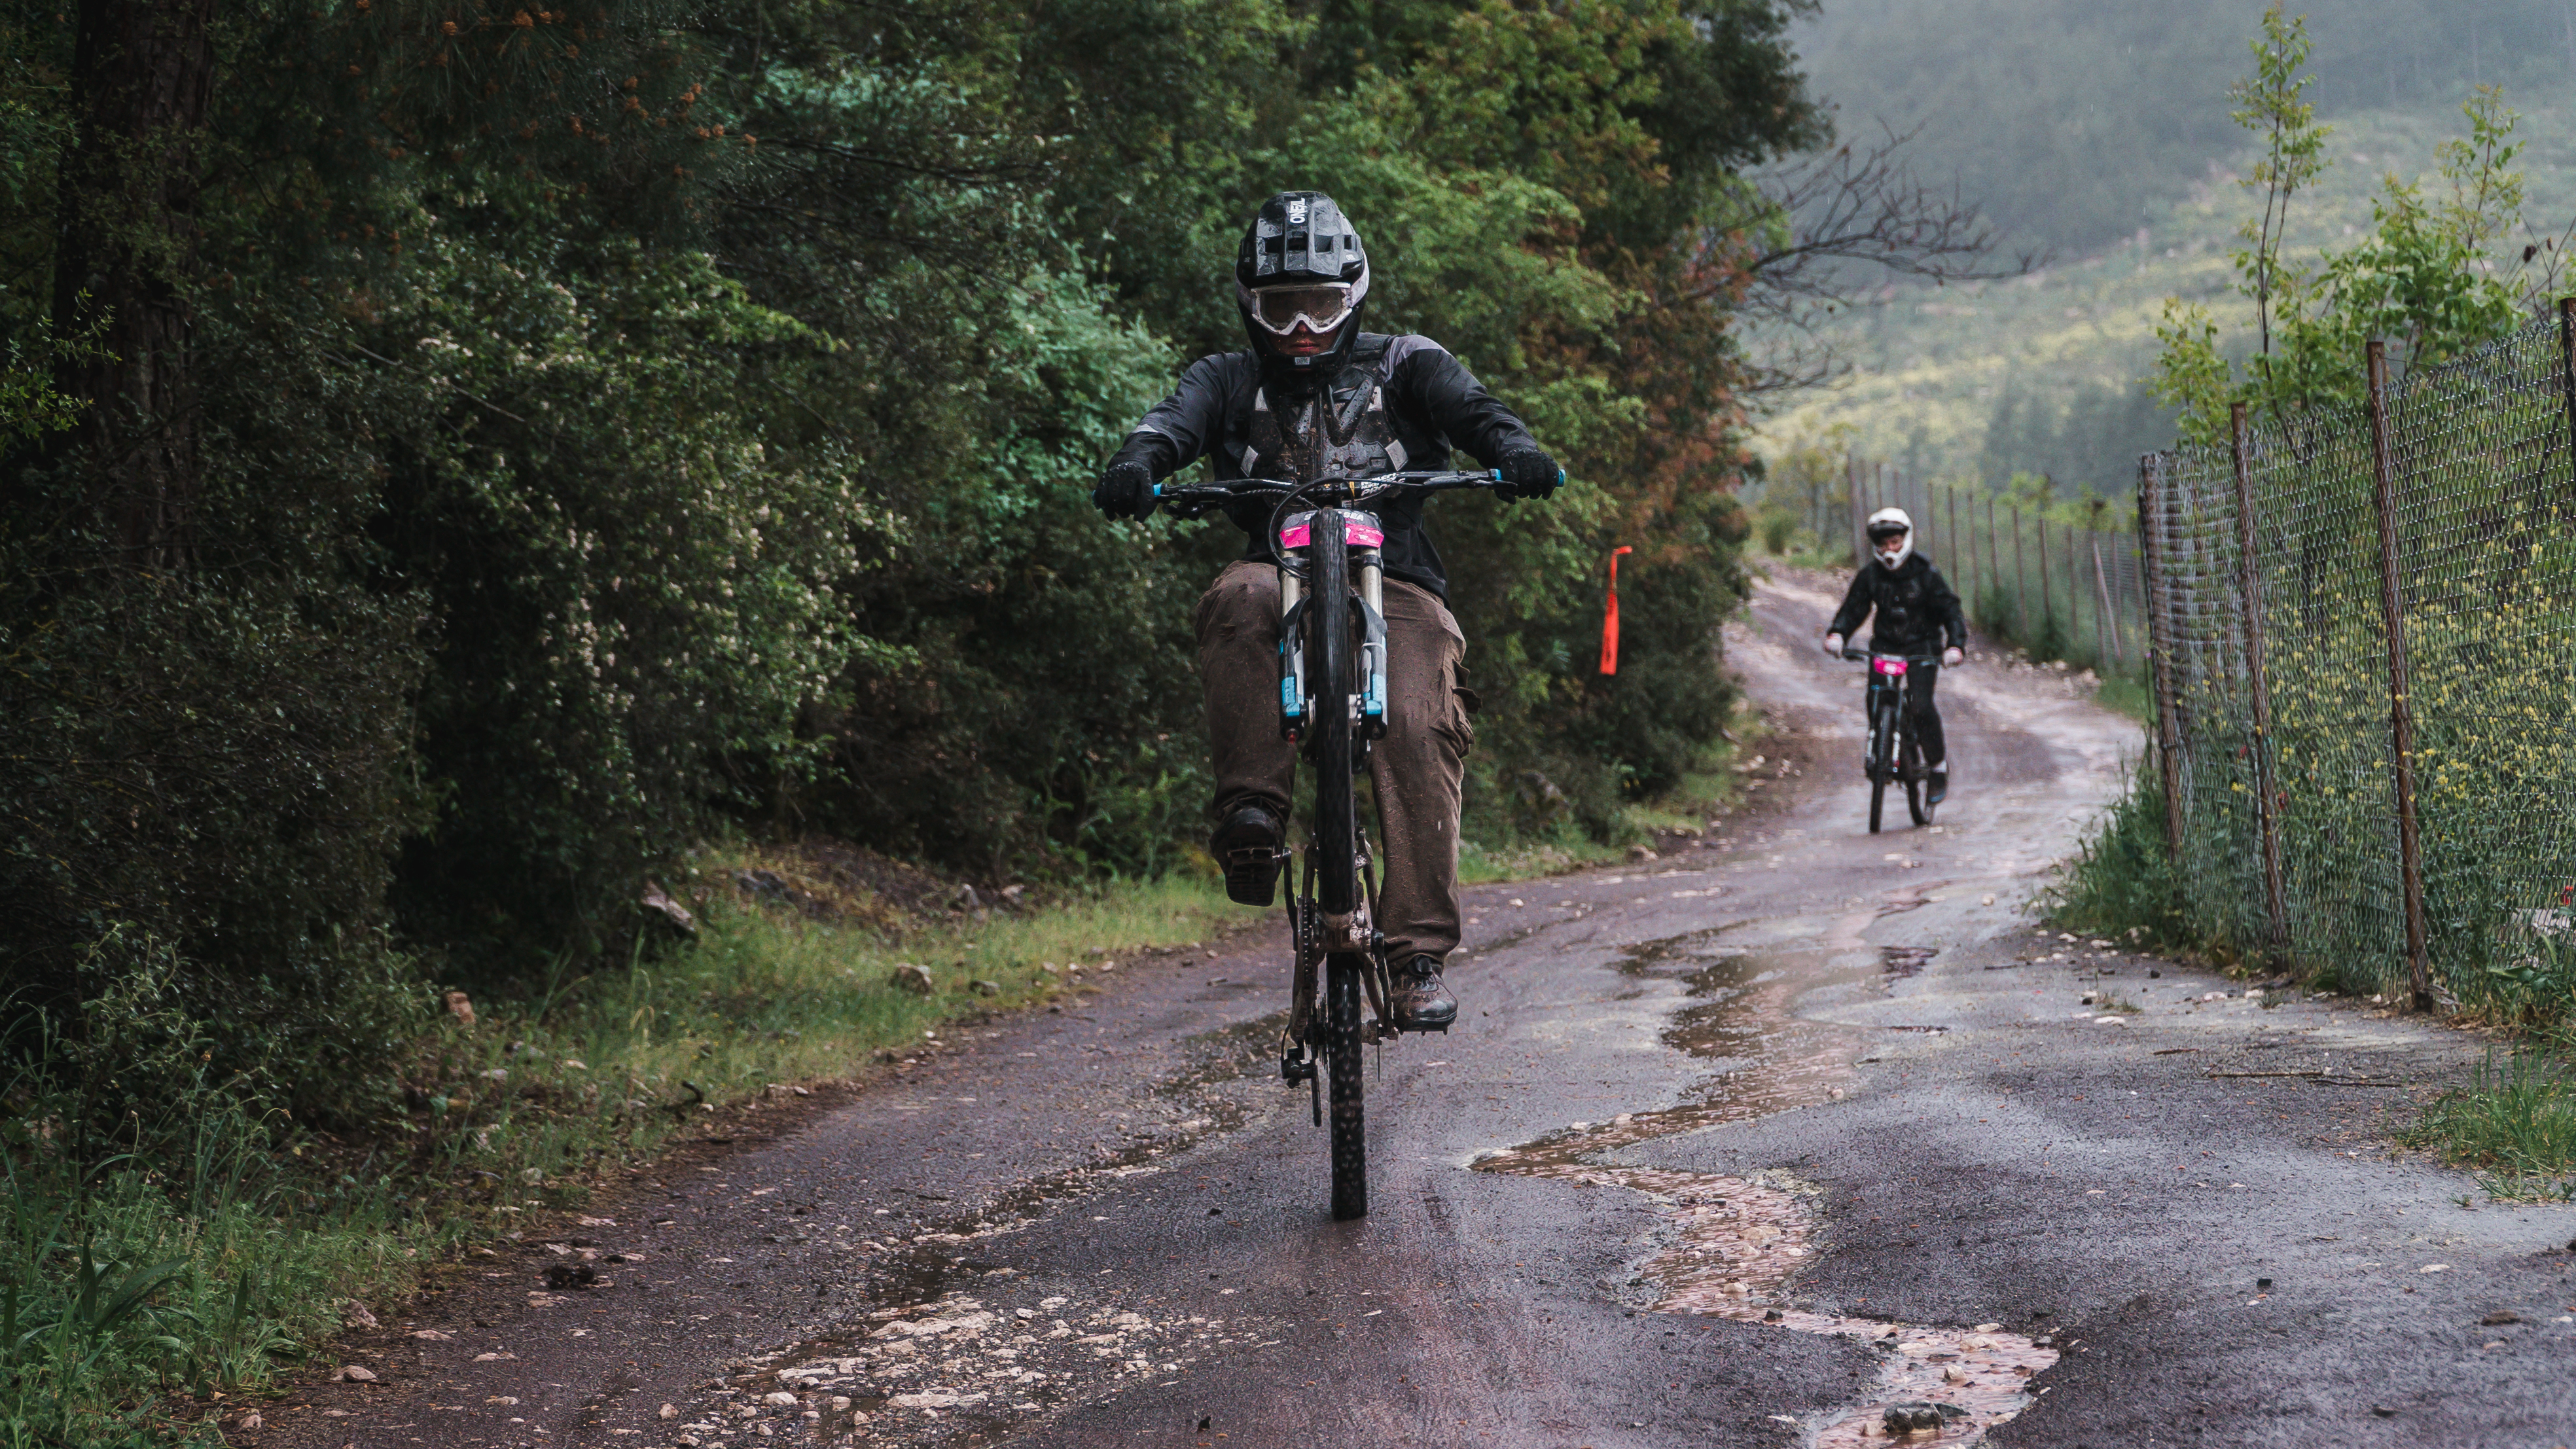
(1528, 473)
(1126, 490)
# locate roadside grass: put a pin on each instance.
(212, 1249)
(2514, 1126)
(2128, 694)
(532, 1097)
(2121, 882)
(134, 1292)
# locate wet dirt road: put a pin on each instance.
(1743, 1146)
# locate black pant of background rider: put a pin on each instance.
(1913, 611)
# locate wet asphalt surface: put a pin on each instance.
(1106, 1224)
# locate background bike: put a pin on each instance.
(1332, 702)
(1895, 755)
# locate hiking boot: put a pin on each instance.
(1420, 1002)
(1939, 789)
(1246, 848)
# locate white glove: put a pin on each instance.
(1834, 645)
(1953, 655)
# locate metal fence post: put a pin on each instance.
(2401, 721)
(2160, 645)
(2249, 589)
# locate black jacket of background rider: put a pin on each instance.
(1917, 613)
(1434, 402)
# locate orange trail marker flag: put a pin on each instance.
(1610, 616)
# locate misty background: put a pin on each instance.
(2100, 134)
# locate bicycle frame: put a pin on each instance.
(1892, 758)
(1332, 705)
(1888, 730)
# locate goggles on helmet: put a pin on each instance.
(1322, 306)
(1885, 532)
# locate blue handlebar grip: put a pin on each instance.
(1497, 472)
(1158, 490)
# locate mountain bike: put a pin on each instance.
(1895, 755)
(1332, 703)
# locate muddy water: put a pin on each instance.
(1738, 1243)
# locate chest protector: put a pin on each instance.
(1340, 430)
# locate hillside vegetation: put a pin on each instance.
(2044, 373)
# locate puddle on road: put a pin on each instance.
(1738, 1241)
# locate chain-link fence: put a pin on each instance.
(2032, 577)
(2365, 624)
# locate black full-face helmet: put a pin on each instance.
(1301, 262)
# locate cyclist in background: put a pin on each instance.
(1916, 611)
(1315, 397)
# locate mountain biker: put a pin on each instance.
(1915, 608)
(1313, 397)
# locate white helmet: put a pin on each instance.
(1889, 523)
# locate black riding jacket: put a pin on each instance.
(1398, 403)
(1917, 611)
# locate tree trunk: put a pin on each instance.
(141, 75)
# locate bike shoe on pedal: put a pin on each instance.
(1940, 789)
(1247, 846)
(1420, 1002)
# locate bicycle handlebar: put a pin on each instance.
(1863, 656)
(1193, 499)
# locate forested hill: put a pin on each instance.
(2103, 134)
(2074, 123)
(461, 456)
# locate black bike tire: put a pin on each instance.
(1918, 786)
(1334, 660)
(1879, 766)
(1342, 1060)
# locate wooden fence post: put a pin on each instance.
(1859, 535)
(2249, 590)
(2021, 586)
(2401, 720)
(1994, 559)
(1950, 508)
(2044, 610)
(2567, 366)
(2110, 613)
(2160, 646)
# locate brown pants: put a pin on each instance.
(1415, 767)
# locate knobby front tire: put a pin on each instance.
(1881, 765)
(1918, 783)
(1338, 889)
(1342, 1061)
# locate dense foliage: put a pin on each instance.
(458, 458)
